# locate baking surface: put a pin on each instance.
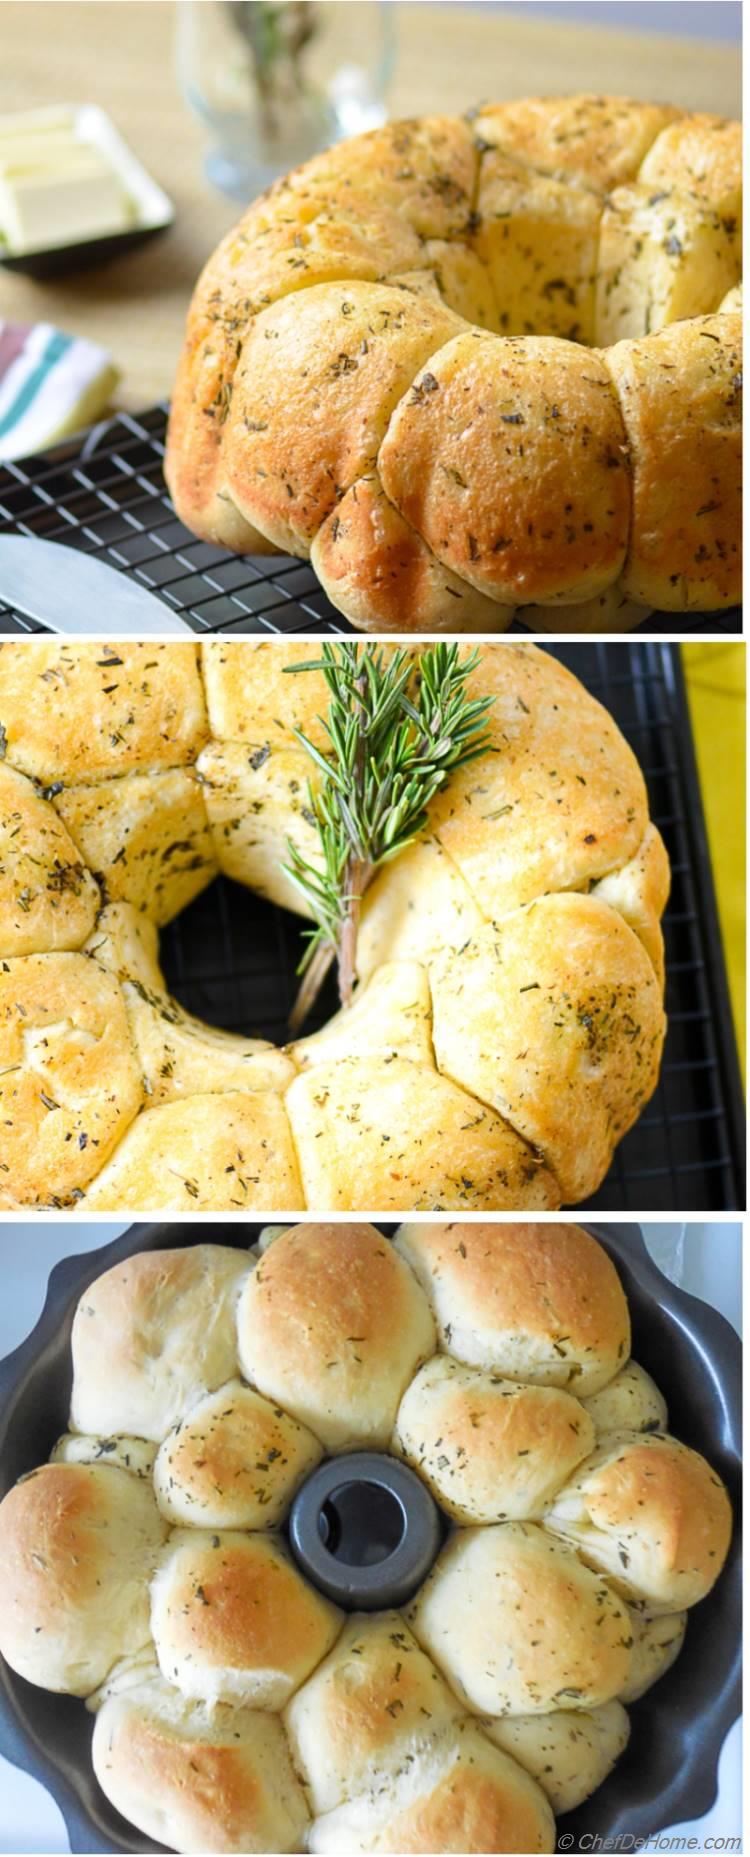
(121, 55)
(31, 1820)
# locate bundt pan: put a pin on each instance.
(669, 1770)
(480, 366)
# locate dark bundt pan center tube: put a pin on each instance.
(365, 1531)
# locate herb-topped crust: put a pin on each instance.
(312, 412)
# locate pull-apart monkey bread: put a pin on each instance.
(508, 1024)
(149, 1567)
(475, 366)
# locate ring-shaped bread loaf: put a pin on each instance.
(237, 1709)
(474, 366)
(509, 1021)
(508, 1024)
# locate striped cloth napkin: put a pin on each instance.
(51, 384)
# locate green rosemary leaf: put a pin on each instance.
(396, 727)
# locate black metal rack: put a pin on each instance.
(104, 492)
(231, 958)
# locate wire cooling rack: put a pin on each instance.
(231, 958)
(104, 492)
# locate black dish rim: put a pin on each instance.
(678, 1738)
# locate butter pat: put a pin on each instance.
(56, 188)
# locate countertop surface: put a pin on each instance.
(122, 56)
(704, 1258)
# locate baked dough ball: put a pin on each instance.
(519, 1625)
(179, 1055)
(639, 890)
(370, 1709)
(657, 1640)
(539, 1303)
(69, 1077)
(498, 437)
(234, 1461)
(48, 899)
(554, 1017)
(233, 1620)
(652, 1515)
(489, 1449)
(198, 1778)
(702, 154)
(516, 832)
(681, 400)
(464, 1795)
(390, 1016)
(402, 1137)
(257, 801)
(569, 1752)
(78, 1545)
(591, 141)
(332, 1326)
(325, 370)
(84, 710)
(122, 1453)
(151, 1336)
(226, 1152)
(146, 837)
(374, 565)
(538, 239)
(631, 1402)
(663, 255)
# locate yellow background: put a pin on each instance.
(715, 675)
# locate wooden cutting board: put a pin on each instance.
(120, 54)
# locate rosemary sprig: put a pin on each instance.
(397, 727)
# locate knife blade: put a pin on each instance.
(78, 594)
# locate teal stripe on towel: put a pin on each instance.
(57, 346)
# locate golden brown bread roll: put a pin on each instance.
(332, 1325)
(48, 898)
(146, 836)
(205, 1153)
(179, 1055)
(569, 1752)
(195, 1777)
(234, 1621)
(489, 1449)
(374, 1704)
(630, 1402)
(152, 1335)
(79, 1543)
(463, 1796)
(681, 398)
(69, 1078)
(519, 1625)
(536, 1303)
(446, 1085)
(508, 457)
(652, 1515)
(658, 1638)
(234, 1461)
(555, 221)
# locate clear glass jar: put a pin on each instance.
(273, 83)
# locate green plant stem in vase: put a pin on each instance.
(397, 726)
(276, 36)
